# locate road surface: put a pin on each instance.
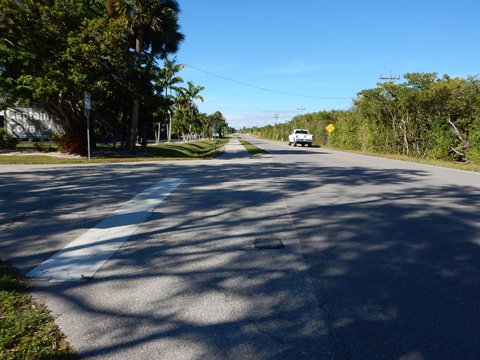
(306, 253)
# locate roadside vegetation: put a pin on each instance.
(54, 52)
(27, 329)
(7, 141)
(252, 149)
(425, 117)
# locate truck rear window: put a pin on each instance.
(301, 132)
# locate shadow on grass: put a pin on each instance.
(197, 149)
(104, 154)
(27, 328)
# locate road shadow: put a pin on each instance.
(394, 268)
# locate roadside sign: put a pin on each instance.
(88, 101)
(31, 122)
(330, 128)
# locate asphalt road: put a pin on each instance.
(304, 254)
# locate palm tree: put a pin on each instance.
(217, 123)
(155, 30)
(167, 83)
(192, 94)
(185, 103)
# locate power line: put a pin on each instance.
(263, 88)
(280, 111)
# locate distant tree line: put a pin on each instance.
(425, 116)
(52, 51)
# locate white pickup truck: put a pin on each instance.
(300, 136)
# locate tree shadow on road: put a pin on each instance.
(393, 268)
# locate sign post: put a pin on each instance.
(330, 129)
(214, 133)
(88, 107)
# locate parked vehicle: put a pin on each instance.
(300, 136)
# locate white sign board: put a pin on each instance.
(31, 123)
(88, 100)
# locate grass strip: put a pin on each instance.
(467, 166)
(27, 329)
(252, 149)
(192, 150)
(205, 149)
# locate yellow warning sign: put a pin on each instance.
(330, 128)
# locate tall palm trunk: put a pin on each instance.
(136, 97)
(134, 123)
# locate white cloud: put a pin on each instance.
(251, 119)
(238, 121)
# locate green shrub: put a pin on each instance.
(347, 130)
(27, 329)
(44, 147)
(473, 153)
(8, 141)
(439, 141)
(71, 143)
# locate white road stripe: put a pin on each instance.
(87, 253)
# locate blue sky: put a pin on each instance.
(325, 51)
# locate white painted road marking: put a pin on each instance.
(87, 253)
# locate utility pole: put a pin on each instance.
(390, 78)
(276, 118)
(301, 109)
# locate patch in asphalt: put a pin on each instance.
(268, 244)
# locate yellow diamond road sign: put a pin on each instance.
(330, 128)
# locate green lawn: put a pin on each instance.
(197, 149)
(252, 149)
(204, 149)
(27, 329)
(424, 161)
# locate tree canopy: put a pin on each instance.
(52, 51)
(423, 116)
